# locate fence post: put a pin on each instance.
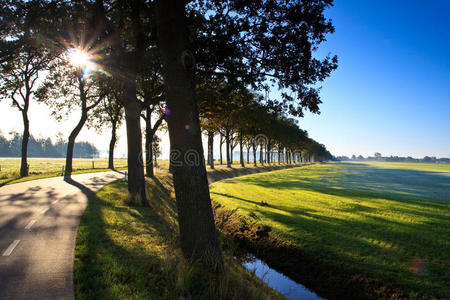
(126, 173)
(93, 167)
(62, 171)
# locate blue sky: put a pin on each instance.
(391, 92)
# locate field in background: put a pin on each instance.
(390, 223)
(410, 166)
(47, 167)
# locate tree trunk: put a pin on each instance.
(227, 146)
(220, 148)
(112, 144)
(254, 154)
(198, 235)
(279, 156)
(241, 150)
(25, 138)
(148, 144)
(211, 149)
(136, 181)
(248, 153)
(261, 154)
(231, 152)
(71, 143)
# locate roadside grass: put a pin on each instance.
(51, 167)
(125, 252)
(391, 224)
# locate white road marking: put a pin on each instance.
(11, 248)
(44, 210)
(30, 224)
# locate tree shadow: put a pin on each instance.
(104, 253)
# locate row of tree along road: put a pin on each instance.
(196, 65)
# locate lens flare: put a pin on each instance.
(80, 59)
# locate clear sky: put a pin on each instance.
(390, 94)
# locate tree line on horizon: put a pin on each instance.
(198, 66)
(44, 147)
(408, 159)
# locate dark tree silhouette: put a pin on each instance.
(24, 55)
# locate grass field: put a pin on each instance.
(410, 166)
(125, 252)
(49, 167)
(388, 221)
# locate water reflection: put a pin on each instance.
(284, 285)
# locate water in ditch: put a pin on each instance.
(283, 284)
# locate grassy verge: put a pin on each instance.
(125, 252)
(385, 229)
(51, 167)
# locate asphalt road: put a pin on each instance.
(38, 227)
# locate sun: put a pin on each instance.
(79, 58)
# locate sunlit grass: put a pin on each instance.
(383, 222)
(125, 252)
(411, 166)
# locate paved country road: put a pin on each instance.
(38, 226)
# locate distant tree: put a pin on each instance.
(377, 156)
(427, 159)
(156, 148)
(44, 147)
(109, 113)
(150, 132)
(4, 146)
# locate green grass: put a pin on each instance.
(392, 224)
(410, 166)
(125, 252)
(50, 167)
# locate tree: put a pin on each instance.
(125, 29)
(150, 134)
(109, 113)
(156, 148)
(20, 67)
(72, 83)
(198, 236)
(377, 155)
